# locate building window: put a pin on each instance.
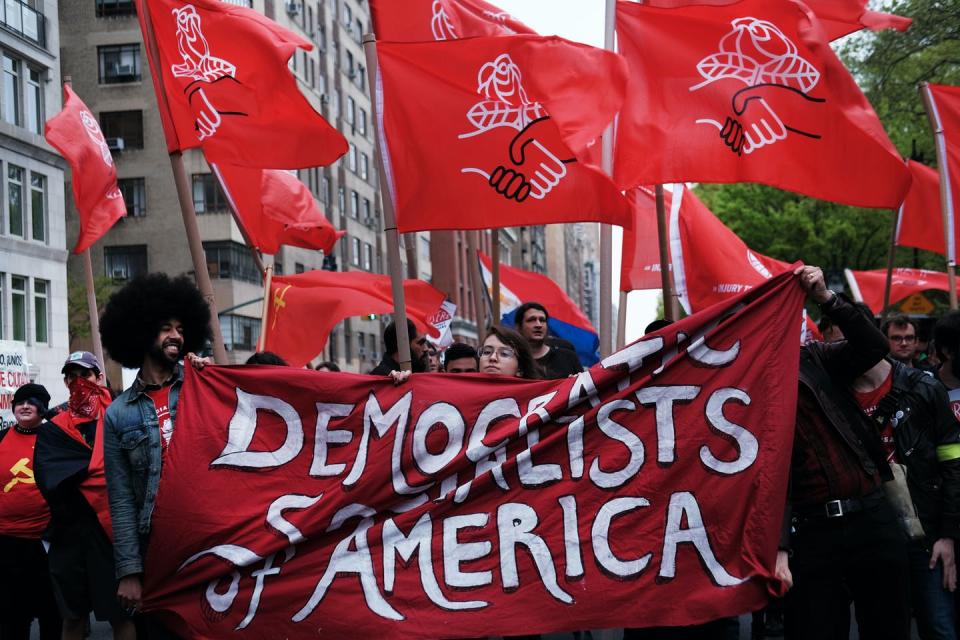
(22, 18)
(298, 267)
(41, 290)
(352, 158)
(350, 66)
(33, 108)
(351, 110)
(11, 89)
(354, 205)
(119, 63)
(125, 262)
(367, 256)
(18, 307)
(240, 333)
(325, 190)
(335, 104)
(134, 192)
(122, 129)
(360, 77)
(367, 219)
(38, 206)
(15, 220)
(347, 16)
(355, 252)
(341, 199)
(207, 195)
(362, 121)
(364, 166)
(110, 8)
(231, 261)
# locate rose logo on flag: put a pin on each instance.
(758, 54)
(505, 104)
(441, 25)
(202, 68)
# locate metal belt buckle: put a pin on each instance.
(834, 508)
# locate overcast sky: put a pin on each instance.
(583, 20)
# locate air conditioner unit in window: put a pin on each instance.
(115, 144)
(375, 357)
(362, 352)
(368, 221)
(123, 70)
(293, 8)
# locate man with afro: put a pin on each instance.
(150, 324)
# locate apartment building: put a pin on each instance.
(33, 239)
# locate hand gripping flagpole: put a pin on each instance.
(389, 216)
(184, 195)
(946, 206)
(91, 289)
(606, 231)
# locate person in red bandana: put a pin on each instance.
(23, 518)
(70, 475)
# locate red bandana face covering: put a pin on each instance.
(86, 398)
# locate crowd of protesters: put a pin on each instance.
(871, 519)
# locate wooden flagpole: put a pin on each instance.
(410, 241)
(622, 321)
(606, 231)
(92, 310)
(946, 206)
(265, 312)
(389, 216)
(197, 254)
(477, 285)
(669, 310)
(495, 259)
(891, 254)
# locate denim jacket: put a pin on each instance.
(131, 456)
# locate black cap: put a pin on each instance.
(35, 394)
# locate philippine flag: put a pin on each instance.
(566, 322)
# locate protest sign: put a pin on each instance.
(13, 374)
(646, 491)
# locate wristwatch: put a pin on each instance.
(829, 304)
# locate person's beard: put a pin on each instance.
(159, 354)
(419, 365)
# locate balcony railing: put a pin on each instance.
(25, 21)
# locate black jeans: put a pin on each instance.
(859, 557)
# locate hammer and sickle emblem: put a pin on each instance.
(278, 303)
(16, 470)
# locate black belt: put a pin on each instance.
(839, 508)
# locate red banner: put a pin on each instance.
(748, 91)
(640, 265)
(424, 20)
(944, 104)
(476, 505)
(868, 286)
(920, 219)
(494, 132)
(75, 133)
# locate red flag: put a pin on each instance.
(920, 219)
(304, 308)
(710, 262)
(843, 17)
(945, 111)
(275, 208)
(303, 504)
(491, 132)
(424, 20)
(225, 78)
(640, 265)
(868, 286)
(748, 92)
(75, 133)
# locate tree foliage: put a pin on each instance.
(889, 66)
(78, 311)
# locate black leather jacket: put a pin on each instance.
(927, 438)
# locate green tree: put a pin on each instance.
(79, 315)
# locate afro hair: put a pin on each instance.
(134, 314)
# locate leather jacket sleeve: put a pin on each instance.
(946, 436)
(865, 344)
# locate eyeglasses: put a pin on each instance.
(502, 352)
(903, 339)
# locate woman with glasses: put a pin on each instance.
(507, 353)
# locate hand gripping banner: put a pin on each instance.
(646, 491)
